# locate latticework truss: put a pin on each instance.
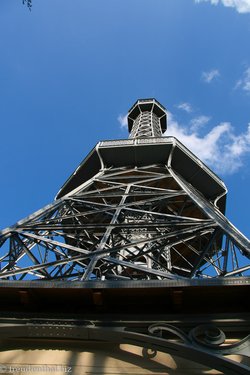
(125, 223)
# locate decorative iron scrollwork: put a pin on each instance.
(149, 353)
(158, 330)
(207, 337)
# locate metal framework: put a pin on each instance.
(203, 342)
(127, 223)
(143, 209)
(134, 222)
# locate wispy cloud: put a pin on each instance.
(123, 121)
(220, 148)
(244, 82)
(198, 122)
(210, 75)
(185, 107)
(242, 6)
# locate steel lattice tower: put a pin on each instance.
(143, 209)
(142, 212)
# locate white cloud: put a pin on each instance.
(210, 75)
(198, 122)
(244, 82)
(219, 148)
(185, 107)
(242, 6)
(123, 121)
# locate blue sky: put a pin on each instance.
(70, 70)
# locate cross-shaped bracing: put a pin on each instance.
(126, 223)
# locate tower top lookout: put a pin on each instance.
(147, 118)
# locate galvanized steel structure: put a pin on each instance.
(143, 210)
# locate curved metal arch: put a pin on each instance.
(122, 335)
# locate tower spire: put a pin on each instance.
(147, 118)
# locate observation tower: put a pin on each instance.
(135, 250)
